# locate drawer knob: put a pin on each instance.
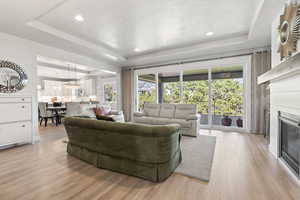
(23, 125)
(23, 106)
(23, 99)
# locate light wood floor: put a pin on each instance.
(243, 169)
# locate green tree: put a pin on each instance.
(171, 92)
(196, 92)
(227, 95)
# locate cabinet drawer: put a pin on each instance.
(15, 133)
(12, 112)
(15, 100)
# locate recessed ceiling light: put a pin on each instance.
(79, 18)
(137, 50)
(209, 33)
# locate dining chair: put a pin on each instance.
(45, 114)
(60, 114)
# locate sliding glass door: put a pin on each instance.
(169, 87)
(227, 96)
(146, 90)
(196, 91)
(218, 92)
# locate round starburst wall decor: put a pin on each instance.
(12, 77)
(289, 30)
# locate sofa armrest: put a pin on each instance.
(194, 117)
(138, 114)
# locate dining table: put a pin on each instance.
(56, 110)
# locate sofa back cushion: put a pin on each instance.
(152, 110)
(167, 110)
(182, 111)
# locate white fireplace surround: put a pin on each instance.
(285, 69)
(285, 97)
(284, 88)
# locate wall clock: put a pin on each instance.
(12, 77)
(289, 30)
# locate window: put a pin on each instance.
(169, 87)
(218, 91)
(196, 91)
(146, 90)
(227, 96)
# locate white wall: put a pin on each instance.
(284, 94)
(25, 52)
(20, 52)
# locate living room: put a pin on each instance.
(149, 100)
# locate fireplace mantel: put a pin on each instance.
(285, 69)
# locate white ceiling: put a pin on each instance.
(150, 25)
(161, 29)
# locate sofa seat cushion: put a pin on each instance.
(167, 111)
(143, 120)
(183, 123)
(165, 121)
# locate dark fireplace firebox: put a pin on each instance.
(289, 127)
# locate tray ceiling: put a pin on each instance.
(121, 31)
(124, 26)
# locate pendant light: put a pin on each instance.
(72, 84)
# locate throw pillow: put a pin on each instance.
(97, 111)
(105, 110)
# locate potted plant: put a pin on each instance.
(226, 121)
(239, 122)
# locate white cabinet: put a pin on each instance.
(13, 133)
(15, 120)
(15, 100)
(13, 112)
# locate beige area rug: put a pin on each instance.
(197, 156)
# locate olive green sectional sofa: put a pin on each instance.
(146, 151)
